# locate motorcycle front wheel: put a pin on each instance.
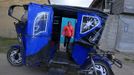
(101, 69)
(14, 57)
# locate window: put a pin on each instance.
(40, 23)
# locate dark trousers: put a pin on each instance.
(66, 42)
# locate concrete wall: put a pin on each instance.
(125, 37)
(108, 38)
(118, 6)
(123, 6)
(118, 33)
(119, 30)
(129, 6)
(6, 23)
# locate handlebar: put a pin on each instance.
(11, 10)
(118, 63)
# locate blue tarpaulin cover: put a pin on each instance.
(39, 27)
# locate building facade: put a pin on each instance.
(119, 29)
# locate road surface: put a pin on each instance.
(7, 69)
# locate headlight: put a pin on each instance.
(110, 56)
(113, 56)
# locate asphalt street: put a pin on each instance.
(7, 69)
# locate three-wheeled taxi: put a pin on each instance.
(39, 32)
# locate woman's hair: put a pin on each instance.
(69, 22)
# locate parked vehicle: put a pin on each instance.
(39, 34)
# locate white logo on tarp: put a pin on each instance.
(40, 23)
(88, 23)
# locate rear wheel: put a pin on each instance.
(101, 69)
(14, 57)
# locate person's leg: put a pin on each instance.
(65, 41)
(68, 41)
(67, 48)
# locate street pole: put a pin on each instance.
(49, 2)
(105, 4)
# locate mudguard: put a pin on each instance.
(97, 58)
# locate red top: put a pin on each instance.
(68, 31)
